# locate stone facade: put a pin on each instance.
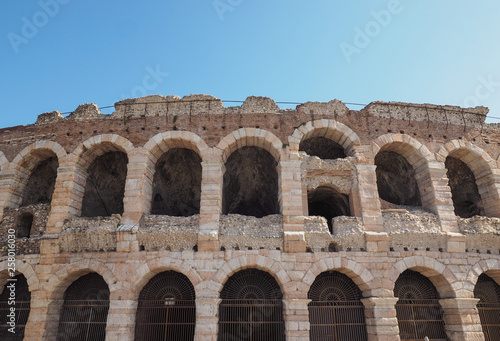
(372, 244)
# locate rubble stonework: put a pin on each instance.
(363, 229)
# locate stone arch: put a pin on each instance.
(418, 157)
(62, 279)
(274, 268)
(328, 201)
(162, 142)
(481, 164)
(360, 275)
(330, 129)
(98, 145)
(157, 147)
(83, 156)
(153, 267)
(250, 137)
(26, 161)
(490, 267)
(24, 268)
(440, 275)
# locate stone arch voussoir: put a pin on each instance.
(331, 129)
(250, 137)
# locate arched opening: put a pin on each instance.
(322, 147)
(105, 185)
(464, 192)
(251, 308)
(166, 309)
(22, 297)
(335, 310)
(488, 292)
(24, 225)
(396, 181)
(418, 310)
(85, 310)
(177, 183)
(250, 183)
(328, 203)
(41, 183)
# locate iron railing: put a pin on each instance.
(420, 318)
(251, 320)
(337, 321)
(22, 311)
(165, 320)
(489, 313)
(83, 320)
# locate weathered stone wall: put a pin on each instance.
(372, 246)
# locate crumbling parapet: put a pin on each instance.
(482, 234)
(447, 114)
(85, 111)
(49, 117)
(161, 232)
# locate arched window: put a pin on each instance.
(85, 310)
(177, 183)
(336, 311)
(488, 292)
(464, 192)
(22, 308)
(41, 183)
(105, 185)
(24, 225)
(251, 308)
(322, 147)
(250, 183)
(327, 202)
(396, 181)
(166, 310)
(418, 311)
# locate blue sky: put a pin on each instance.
(57, 54)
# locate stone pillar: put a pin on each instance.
(296, 316)
(461, 319)
(291, 204)
(488, 183)
(120, 325)
(436, 194)
(210, 205)
(6, 196)
(381, 321)
(138, 187)
(365, 199)
(38, 320)
(68, 194)
(207, 319)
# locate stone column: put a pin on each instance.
(436, 194)
(488, 183)
(121, 320)
(461, 319)
(381, 321)
(210, 205)
(296, 316)
(365, 199)
(291, 204)
(207, 319)
(37, 327)
(138, 187)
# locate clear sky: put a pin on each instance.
(57, 54)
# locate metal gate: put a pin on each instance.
(22, 309)
(166, 309)
(418, 310)
(85, 310)
(488, 292)
(335, 311)
(251, 308)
